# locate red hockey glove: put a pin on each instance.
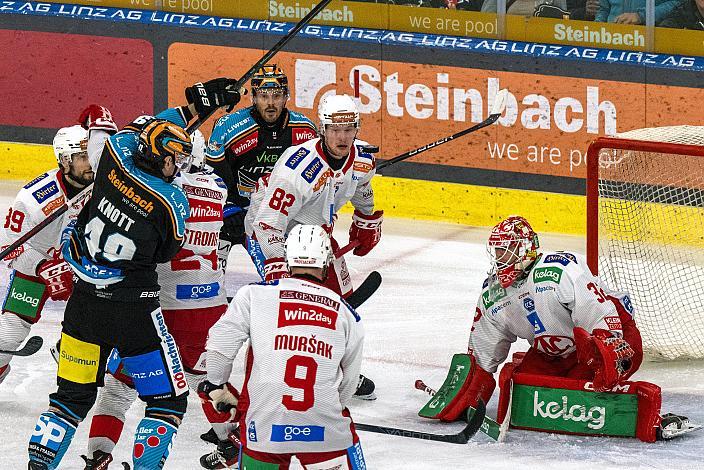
(607, 355)
(58, 277)
(366, 229)
(97, 117)
(275, 268)
(219, 402)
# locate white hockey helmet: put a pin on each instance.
(338, 110)
(69, 141)
(198, 152)
(308, 246)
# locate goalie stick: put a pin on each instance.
(488, 426)
(32, 345)
(266, 57)
(474, 422)
(496, 110)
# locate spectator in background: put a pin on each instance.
(584, 10)
(688, 15)
(633, 11)
(523, 7)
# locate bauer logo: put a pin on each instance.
(294, 313)
(290, 433)
(547, 274)
(197, 291)
(45, 192)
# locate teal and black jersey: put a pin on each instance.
(133, 221)
(243, 147)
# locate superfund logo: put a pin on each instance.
(397, 92)
(296, 313)
(594, 417)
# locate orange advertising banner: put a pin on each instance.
(546, 128)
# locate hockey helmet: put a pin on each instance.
(269, 76)
(338, 110)
(158, 140)
(512, 247)
(69, 141)
(308, 246)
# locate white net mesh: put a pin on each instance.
(651, 237)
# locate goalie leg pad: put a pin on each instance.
(465, 384)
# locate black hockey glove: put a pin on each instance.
(213, 94)
(233, 228)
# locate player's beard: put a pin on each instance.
(82, 180)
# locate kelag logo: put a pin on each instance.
(303, 433)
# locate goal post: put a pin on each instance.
(645, 231)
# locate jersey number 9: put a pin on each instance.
(305, 383)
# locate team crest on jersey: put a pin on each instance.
(46, 191)
(35, 180)
(312, 170)
(553, 345)
(296, 158)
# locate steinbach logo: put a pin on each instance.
(391, 90)
(595, 417)
(295, 313)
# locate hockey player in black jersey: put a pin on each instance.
(245, 145)
(134, 220)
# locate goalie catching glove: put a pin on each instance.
(607, 355)
(58, 277)
(366, 229)
(219, 402)
(209, 96)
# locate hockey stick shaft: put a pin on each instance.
(489, 427)
(32, 345)
(496, 111)
(266, 57)
(40, 226)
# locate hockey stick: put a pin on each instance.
(496, 109)
(489, 427)
(474, 422)
(365, 290)
(275, 48)
(32, 345)
(52, 217)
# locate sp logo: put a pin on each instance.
(48, 433)
(553, 345)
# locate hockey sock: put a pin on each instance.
(152, 443)
(13, 330)
(51, 437)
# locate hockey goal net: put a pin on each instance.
(645, 231)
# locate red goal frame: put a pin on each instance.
(593, 180)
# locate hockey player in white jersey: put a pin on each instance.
(583, 340)
(39, 272)
(302, 364)
(192, 299)
(308, 185)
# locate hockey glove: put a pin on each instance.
(233, 228)
(97, 117)
(219, 402)
(607, 355)
(58, 277)
(209, 96)
(367, 230)
(275, 268)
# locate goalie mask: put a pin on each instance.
(512, 247)
(308, 246)
(68, 142)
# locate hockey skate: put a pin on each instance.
(210, 436)
(673, 425)
(225, 455)
(100, 460)
(365, 389)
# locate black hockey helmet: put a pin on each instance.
(269, 76)
(158, 140)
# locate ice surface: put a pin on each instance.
(414, 324)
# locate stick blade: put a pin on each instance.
(500, 102)
(32, 345)
(365, 290)
(475, 418)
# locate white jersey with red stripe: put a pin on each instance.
(558, 294)
(303, 189)
(302, 365)
(192, 279)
